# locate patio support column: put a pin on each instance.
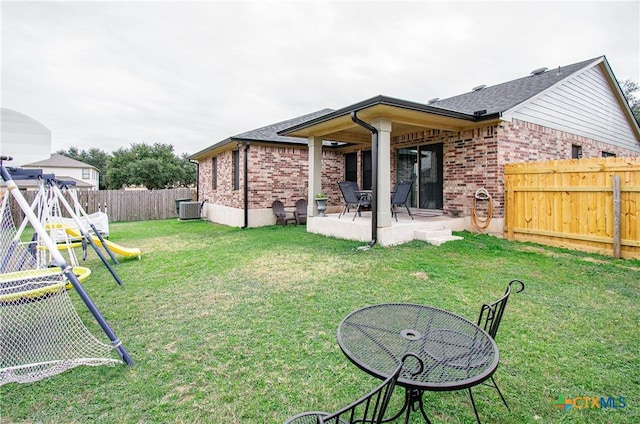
(384, 171)
(315, 174)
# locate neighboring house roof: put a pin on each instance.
(268, 133)
(59, 161)
(505, 96)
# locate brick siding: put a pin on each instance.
(473, 159)
(274, 172)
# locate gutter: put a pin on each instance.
(246, 184)
(197, 178)
(374, 176)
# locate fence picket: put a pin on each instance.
(575, 208)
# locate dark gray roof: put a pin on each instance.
(270, 132)
(502, 97)
(59, 161)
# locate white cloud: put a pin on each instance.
(107, 74)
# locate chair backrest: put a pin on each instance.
(348, 189)
(301, 207)
(401, 192)
(491, 313)
(278, 208)
(371, 407)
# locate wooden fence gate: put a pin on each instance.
(591, 204)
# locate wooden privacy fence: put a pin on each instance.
(584, 204)
(127, 205)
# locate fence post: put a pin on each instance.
(616, 217)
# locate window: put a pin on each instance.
(86, 173)
(351, 167)
(608, 155)
(367, 170)
(576, 152)
(214, 173)
(236, 169)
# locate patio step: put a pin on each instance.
(435, 236)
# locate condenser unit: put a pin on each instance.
(189, 210)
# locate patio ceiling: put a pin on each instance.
(406, 117)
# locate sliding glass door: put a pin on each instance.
(424, 166)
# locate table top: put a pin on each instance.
(456, 352)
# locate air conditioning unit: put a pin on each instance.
(189, 210)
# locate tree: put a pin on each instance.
(94, 157)
(152, 166)
(629, 89)
(190, 171)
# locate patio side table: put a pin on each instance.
(457, 354)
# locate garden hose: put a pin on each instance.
(481, 223)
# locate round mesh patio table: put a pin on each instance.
(456, 353)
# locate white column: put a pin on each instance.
(315, 173)
(384, 171)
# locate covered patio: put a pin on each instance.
(371, 125)
(434, 229)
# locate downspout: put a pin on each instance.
(197, 178)
(246, 185)
(374, 176)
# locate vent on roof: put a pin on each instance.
(431, 101)
(480, 112)
(478, 87)
(539, 71)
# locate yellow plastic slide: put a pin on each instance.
(127, 252)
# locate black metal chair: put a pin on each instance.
(400, 197)
(370, 408)
(489, 320)
(281, 215)
(301, 211)
(352, 198)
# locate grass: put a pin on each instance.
(239, 326)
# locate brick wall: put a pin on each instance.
(475, 159)
(472, 159)
(275, 172)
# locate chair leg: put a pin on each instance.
(495, 385)
(408, 211)
(473, 404)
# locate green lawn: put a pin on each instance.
(239, 326)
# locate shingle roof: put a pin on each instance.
(502, 97)
(59, 161)
(270, 132)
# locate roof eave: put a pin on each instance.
(381, 100)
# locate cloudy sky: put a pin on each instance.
(108, 74)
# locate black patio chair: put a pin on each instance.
(301, 211)
(281, 214)
(352, 198)
(489, 320)
(370, 408)
(400, 197)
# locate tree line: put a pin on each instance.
(152, 166)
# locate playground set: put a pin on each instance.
(41, 333)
